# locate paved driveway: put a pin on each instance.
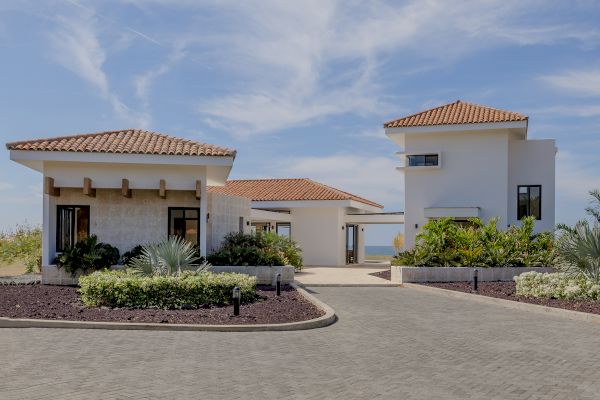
(343, 275)
(390, 343)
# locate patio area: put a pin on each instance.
(355, 275)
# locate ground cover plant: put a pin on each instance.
(257, 249)
(187, 290)
(444, 243)
(23, 244)
(557, 286)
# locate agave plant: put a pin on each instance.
(169, 257)
(579, 251)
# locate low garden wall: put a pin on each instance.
(265, 275)
(402, 274)
(52, 275)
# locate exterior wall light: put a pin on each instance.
(278, 284)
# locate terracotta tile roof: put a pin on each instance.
(286, 190)
(127, 141)
(459, 112)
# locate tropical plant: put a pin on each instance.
(23, 244)
(444, 243)
(257, 249)
(579, 251)
(87, 255)
(131, 254)
(169, 257)
(189, 289)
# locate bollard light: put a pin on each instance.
(278, 284)
(237, 296)
(475, 279)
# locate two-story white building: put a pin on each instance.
(464, 160)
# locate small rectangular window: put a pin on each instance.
(529, 201)
(185, 223)
(72, 225)
(284, 229)
(423, 160)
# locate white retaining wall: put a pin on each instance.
(402, 274)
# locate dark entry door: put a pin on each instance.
(351, 244)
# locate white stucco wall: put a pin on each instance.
(224, 217)
(473, 173)
(532, 162)
(120, 221)
(319, 233)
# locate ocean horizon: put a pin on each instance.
(380, 251)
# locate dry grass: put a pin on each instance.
(16, 268)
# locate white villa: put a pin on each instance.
(133, 187)
(464, 160)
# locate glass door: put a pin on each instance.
(351, 244)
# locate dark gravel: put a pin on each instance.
(383, 274)
(62, 302)
(507, 290)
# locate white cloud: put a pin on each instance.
(584, 82)
(143, 82)
(374, 178)
(576, 175)
(6, 186)
(289, 54)
(76, 47)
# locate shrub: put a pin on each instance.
(257, 249)
(88, 255)
(579, 251)
(24, 244)
(127, 289)
(131, 254)
(557, 286)
(444, 243)
(169, 257)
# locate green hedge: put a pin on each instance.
(557, 286)
(127, 289)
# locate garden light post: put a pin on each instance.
(475, 278)
(236, 300)
(278, 284)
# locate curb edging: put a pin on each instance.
(560, 312)
(325, 320)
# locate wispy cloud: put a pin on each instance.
(75, 45)
(285, 53)
(584, 82)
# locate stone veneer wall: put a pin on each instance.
(126, 222)
(224, 217)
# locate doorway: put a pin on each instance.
(351, 244)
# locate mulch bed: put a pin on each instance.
(63, 303)
(383, 274)
(507, 291)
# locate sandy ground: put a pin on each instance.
(17, 268)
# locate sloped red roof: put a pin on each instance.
(286, 190)
(459, 112)
(127, 141)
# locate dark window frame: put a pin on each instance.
(425, 157)
(528, 213)
(184, 209)
(278, 224)
(60, 207)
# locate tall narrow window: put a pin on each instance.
(185, 223)
(529, 201)
(72, 225)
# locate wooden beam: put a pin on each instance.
(49, 188)
(162, 191)
(125, 191)
(198, 189)
(88, 190)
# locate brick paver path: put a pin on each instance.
(390, 343)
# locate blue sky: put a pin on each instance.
(300, 89)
